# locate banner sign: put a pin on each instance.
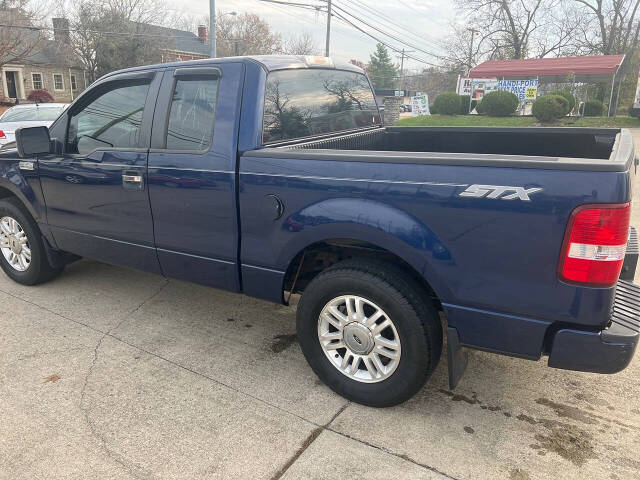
(464, 86)
(420, 105)
(525, 90)
(481, 86)
(476, 87)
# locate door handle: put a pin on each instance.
(132, 181)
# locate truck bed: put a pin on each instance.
(566, 148)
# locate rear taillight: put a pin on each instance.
(2, 135)
(594, 245)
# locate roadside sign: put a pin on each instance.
(420, 105)
(531, 93)
(464, 86)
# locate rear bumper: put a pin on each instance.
(606, 351)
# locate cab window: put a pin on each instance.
(192, 113)
(306, 102)
(111, 120)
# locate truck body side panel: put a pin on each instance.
(489, 260)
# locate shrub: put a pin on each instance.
(480, 107)
(593, 108)
(550, 107)
(499, 103)
(433, 109)
(40, 96)
(447, 103)
(634, 112)
(464, 104)
(569, 97)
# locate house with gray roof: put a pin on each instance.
(181, 44)
(53, 67)
(50, 66)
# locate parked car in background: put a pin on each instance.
(28, 115)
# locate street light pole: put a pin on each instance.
(326, 49)
(212, 28)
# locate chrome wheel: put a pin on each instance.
(359, 339)
(14, 244)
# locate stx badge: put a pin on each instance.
(499, 191)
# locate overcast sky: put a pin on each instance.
(420, 23)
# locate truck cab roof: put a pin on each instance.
(268, 62)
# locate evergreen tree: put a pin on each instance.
(382, 71)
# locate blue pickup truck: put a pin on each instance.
(274, 176)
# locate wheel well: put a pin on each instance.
(319, 256)
(5, 192)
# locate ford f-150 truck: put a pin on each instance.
(273, 176)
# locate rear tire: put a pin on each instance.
(386, 364)
(22, 250)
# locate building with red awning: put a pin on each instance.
(587, 69)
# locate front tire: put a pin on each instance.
(369, 332)
(22, 250)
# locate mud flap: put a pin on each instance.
(457, 357)
(57, 258)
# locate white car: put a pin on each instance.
(28, 115)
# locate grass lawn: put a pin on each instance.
(515, 121)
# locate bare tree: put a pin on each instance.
(302, 44)
(465, 47)
(609, 26)
(22, 35)
(431, 80)
(245, 34)
(510, 29)
(111, 34)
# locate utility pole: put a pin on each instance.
(473, 32)
(402, 77)
(402, 70)
(326, 48)
(212, 28)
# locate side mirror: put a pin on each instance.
(32, 141)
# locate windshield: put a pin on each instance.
(305, 102)
(30, 114)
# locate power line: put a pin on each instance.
(413, 9)
(307, 6)
(356, 18)
(281, 9)
(398, 28)
(382, 41)
(387, 34)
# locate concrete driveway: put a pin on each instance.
(111, 373)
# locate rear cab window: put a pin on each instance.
(307, 102)
(192, 113)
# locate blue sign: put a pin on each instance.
(519, 88)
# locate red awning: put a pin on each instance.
(585, 69)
